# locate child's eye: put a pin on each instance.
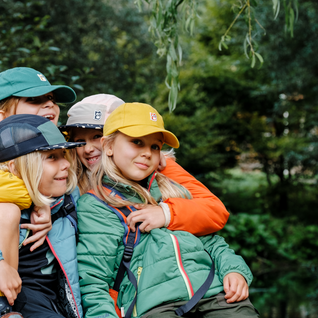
(51, 156)
(155, 147)
(79, 140)
(31, 99)
(97, 136)
(136, 141)
(50, 97)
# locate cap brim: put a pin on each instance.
(79, 125)
(63, 94)
(64, 145)
(139, 131)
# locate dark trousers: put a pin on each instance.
(213, 307)
(34, 304)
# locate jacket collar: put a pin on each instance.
(129, 193)
(55, 206)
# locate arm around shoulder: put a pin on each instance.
(202, 215)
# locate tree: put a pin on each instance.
(106, 50)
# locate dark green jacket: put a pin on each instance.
(169, 265)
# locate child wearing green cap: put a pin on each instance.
(155, 273)
(32, 148)
(24, 91)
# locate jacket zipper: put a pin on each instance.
(180, 266)
(138, 278)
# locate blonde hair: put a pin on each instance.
(7, 103)
(82, 172)
(30, 169)
(167, 187)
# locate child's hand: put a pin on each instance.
(150, 216)
(10, 282)
(40, 225)
(162, 161)
(235, 287)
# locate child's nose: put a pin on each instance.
(147, 152)
(48, 103)
(65, 164)
(88, 147)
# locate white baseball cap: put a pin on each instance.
(91, 112)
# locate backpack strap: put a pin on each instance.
(130, 240)
(68, 209)
(198, 294)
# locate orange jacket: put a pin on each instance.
(202, 215)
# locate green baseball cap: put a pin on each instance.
(27, 82)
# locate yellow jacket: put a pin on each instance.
(13, 190)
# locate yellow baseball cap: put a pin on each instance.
(138, 120)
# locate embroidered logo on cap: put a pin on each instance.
(153, 116)
(97, 114)
(41, 77)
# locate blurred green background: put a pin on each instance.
(251, 135)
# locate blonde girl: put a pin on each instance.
(24, 90)
(166, 268)
(33, 149)
(204, 214)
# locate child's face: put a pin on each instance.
(41, 105)
(136, 157)
(91, 153)
(55, 172)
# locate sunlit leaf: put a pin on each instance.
(80, 87)
(253, 61)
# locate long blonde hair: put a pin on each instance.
(30, 169)
(167, 187)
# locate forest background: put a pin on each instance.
(249, 134)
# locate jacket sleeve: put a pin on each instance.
(13, 190)
(225, 259)
(202, 215)
(97, 252)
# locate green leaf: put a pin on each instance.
(63, 68)
(253, 61)
(80, 87)
(291, 21)
(54, 48)
(23, 49)
(276, 8)
(75, 78)
(260, 58)
(37, 41)
(220, 45)
(224, 44)
(245, 46)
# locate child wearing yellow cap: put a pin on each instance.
(86, 121)
(159, 273)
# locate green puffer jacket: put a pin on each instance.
(162, 276)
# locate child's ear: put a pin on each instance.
(12, 168)
(108, 149)
(2, 115)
